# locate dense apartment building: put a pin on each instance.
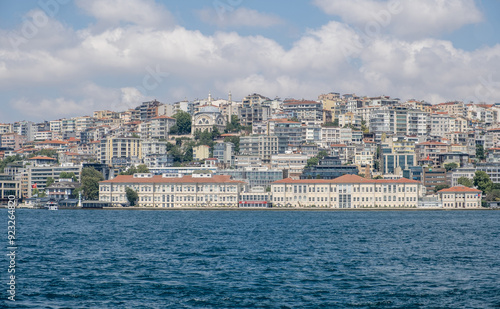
(304, 110)
(120, 148)
(196, 190)
(263, 146)
(348, 191)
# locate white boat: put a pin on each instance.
(51, 205)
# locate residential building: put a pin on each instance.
(62, 190)
(201, 152)
(254, 176)
(328, 168)
(224, 153)
(392, 161)
(35, 177)
(433, 177)
(304, 110)
(121, 147)
(430, 150)
(158, 127)
(263, 146)
(348, 191)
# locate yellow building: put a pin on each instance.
(197, 190)
(460, 197)
(348, 191)
(201, 152)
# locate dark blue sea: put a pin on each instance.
(254, 259)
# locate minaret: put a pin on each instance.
(230, 98)
(209, 98)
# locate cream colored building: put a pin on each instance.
(460, 197)
(197, 190)
(201, 152)
(348, 191)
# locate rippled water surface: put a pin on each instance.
(265, 259)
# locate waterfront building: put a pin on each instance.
(348, 191)
(35, 177)
(197, 190)
(62, 190)
(460, 197)
(9, 186)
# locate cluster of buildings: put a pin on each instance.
(372, 152)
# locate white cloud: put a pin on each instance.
(107, 69)
(404, 18)
(240, 17)
(140, 12)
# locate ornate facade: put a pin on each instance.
(208, 117)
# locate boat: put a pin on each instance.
(51, 205)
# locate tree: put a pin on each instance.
(294, 118)
(90, 183)
(450, 166)
(312, 161)
(7, 160)
(132, 196)
(440, 187)
(236, 142)
(322, 154)
(318, 176)
(142, 168)
(183, 122)
(188, 154)
(268, 189)
(482, 181)
(464, 181)
(480, 152)
(68, 175)
(50, 181)
(233, 125)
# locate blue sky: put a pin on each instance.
(82, 56)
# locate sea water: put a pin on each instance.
(249, 259)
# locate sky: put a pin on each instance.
(61, 58)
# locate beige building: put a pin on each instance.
(197, 190)
(348, 191)
(201, 152)
(460, 197)
(120, 147)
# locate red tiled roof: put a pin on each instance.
(433, 143)
(346, 179)
(338, 145)
(52, 142)
(184, 179)
(42, 158)
(460, 189)
(162, 117)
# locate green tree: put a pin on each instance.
(183, 122)
(322, 154)
(52, 153)
(318, 176)
(464, 181)
(450, 166)
(132, 196)
(90, 183)
(7, 160)
(312, 161)
(236, 142)
(294, 118)
(440, 187)
(482, 181)
(188, 154)
(142, 168)
(234, 125)
(50, 181)
(480, 152)
(68, 175)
